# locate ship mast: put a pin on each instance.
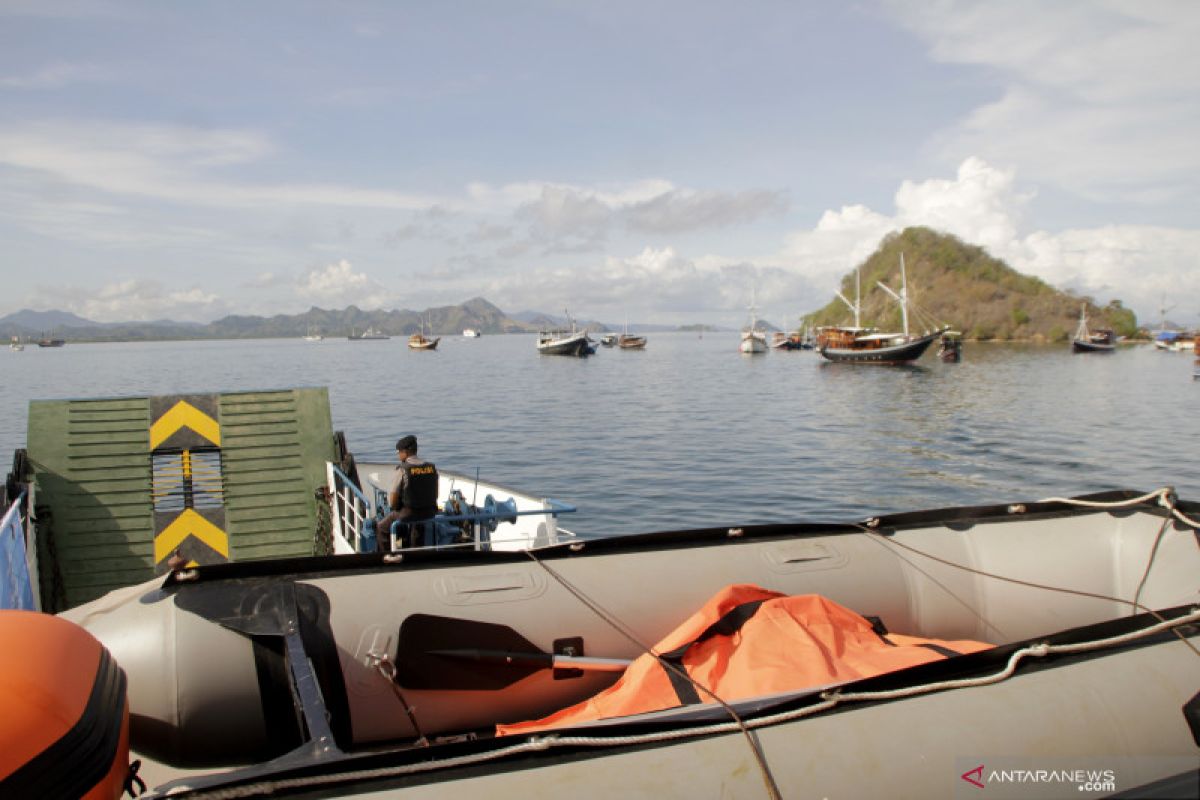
(902, 297)
(855, 306)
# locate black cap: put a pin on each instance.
(408, 443)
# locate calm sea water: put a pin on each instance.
(691, 433)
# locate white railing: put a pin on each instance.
(349, 513)
(491, 516)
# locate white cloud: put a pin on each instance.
(337, 285)
(173, 163)
(132, 301)
(1097, 96)
(981, 204)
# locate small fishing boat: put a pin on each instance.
(369, 333)
(516, 674)
(419, 341)
(859, 345)
(1088, 341)
(789, 341)
(565, 341)
(950, 347)
(630, 341)
(609, 340)
(470, 333)
(16, 345)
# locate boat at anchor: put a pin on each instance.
(565, 341)
(859, 345)
(1101, 340)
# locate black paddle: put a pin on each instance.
(448, 653)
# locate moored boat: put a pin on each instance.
(419, 341)
(1088, 341)
(609, 340)
(630, 341)
(754, 340)
(859, 345)
(51, 342)
(404, 677)
(471, 333)
(564, 341)
(950, 347)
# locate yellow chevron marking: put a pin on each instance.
(184, 414)
(189, 523)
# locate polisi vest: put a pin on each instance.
(419, 495)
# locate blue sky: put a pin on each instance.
(656, 160)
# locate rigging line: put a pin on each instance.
(624, 630)
(1031, 584)
(1150, 562)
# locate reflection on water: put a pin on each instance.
(688, 433)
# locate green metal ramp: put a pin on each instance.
(126, 487)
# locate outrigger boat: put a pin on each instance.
(430, 672)
(859, 345)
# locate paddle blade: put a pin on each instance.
(420, 665)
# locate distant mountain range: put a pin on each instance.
(476, 313)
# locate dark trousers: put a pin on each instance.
(408, 534)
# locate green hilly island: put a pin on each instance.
(960, 285)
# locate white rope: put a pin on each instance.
(1036, 651)
(1165, 497)
(828, 701)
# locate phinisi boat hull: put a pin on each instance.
(894, 354)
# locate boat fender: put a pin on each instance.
(65, 727)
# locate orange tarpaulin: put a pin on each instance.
(747, 641)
